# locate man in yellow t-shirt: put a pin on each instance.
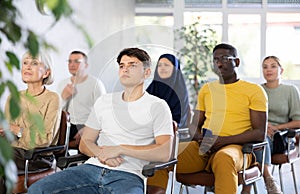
(235, 112)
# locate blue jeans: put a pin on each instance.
(87, 179)
(268, 152)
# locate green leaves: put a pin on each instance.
(11, 31)
(59, 8)
(13, 61)
(32, 44)
(199, 42)
(14, 105)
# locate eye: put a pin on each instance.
(121, 66)
(77, 61)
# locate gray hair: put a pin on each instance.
(45, 59)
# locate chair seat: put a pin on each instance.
(283, 158)
(202, 178)
(205, 178)
(32, 177)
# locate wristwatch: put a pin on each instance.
(19, 135)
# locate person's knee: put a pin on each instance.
(223, 160)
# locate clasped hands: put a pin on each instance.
(110, 155)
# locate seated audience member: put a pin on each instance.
(79, 93)
(124, 131)
(36, 73)
(284, 112)
(236, 113)
(168, 84)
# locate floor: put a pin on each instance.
(287, 182)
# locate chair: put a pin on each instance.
(289, 157)
(148, 170)
(26, 177)
(245, 176)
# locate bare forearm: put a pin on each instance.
(289, 125)
(154, 152)
(246, 137)
(89, 148)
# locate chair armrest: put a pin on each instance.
(64, 162)
(292, 132)
(149, 169)
(33, 153)
(250, 147)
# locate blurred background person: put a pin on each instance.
(79, 93)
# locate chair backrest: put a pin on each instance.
(26, 178)
(175, 140)
(64, 132)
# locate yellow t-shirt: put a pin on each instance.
(227, 106)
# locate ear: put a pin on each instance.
(147, 73)
(237, 62)
(281, 70)
(46, 74)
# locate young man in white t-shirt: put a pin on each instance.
(124, 131)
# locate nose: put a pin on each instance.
(125, 68)
(218, 64)
(27, 66)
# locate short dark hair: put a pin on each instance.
(229, 47)
(80, 52)
(138, 53)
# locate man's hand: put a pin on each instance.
(219, 142)
(77, 137)
(212, 144)
(68, 91)
(114, 162)
(108, 152)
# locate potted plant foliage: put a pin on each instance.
(196, 55)
(14, 33)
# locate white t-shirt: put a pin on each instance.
(81, 103)
(132, 123)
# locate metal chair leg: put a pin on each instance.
(273, 169)
(181, 188)
(280, 177)
(294, 177)
(255, 188)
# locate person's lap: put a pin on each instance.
(89, 179)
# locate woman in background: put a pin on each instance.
(169, 84)
(36, 100)
(283, 113)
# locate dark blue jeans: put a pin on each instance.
(88, 179)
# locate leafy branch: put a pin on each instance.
(16, 34)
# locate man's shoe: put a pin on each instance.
(272, 187)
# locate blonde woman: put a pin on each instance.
(35, 100)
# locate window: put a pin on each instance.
(244, 33)
(283, 40)
(256, 27)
